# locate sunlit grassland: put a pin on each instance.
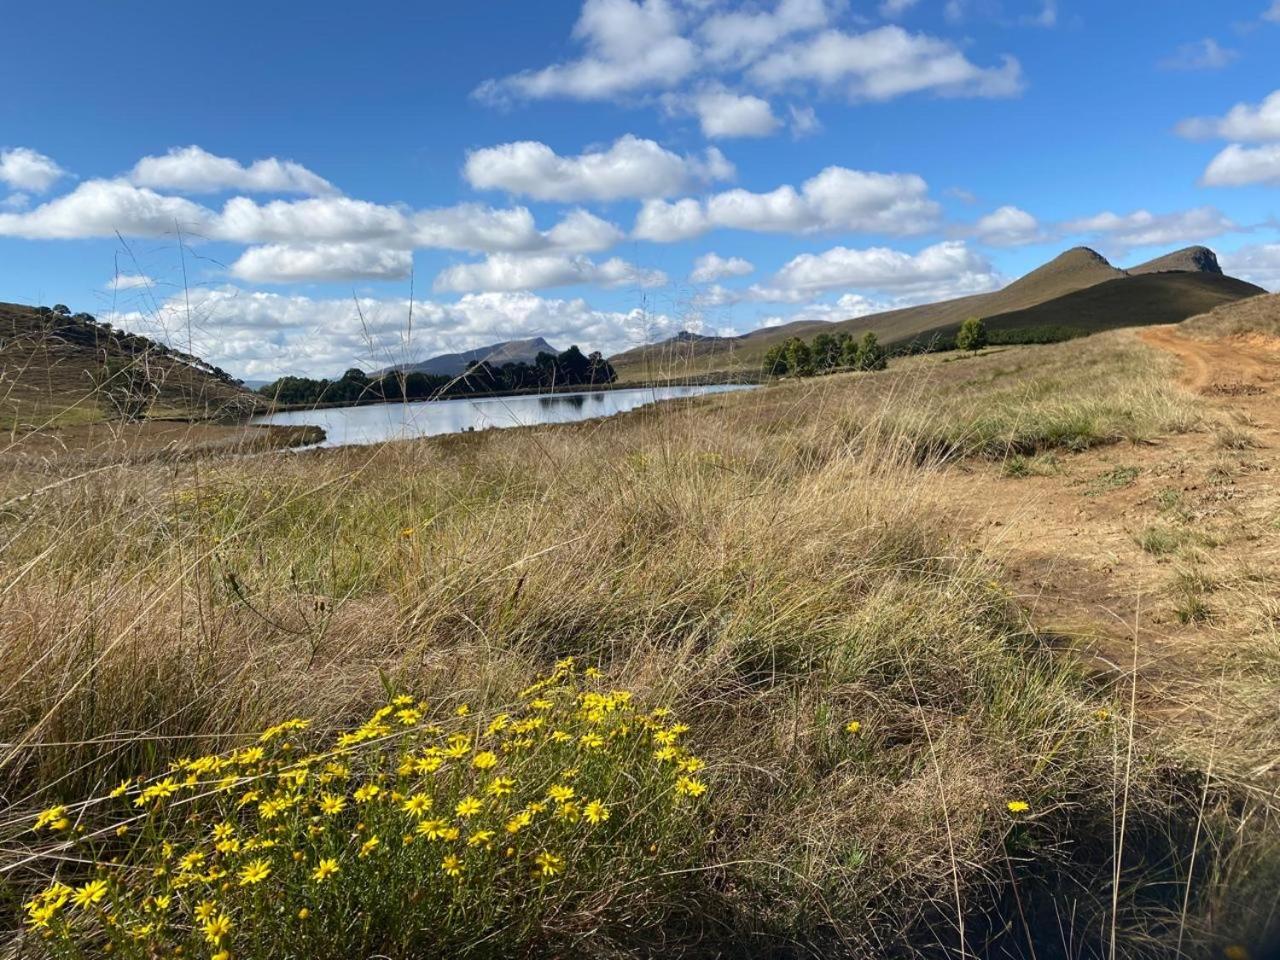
(775, 566)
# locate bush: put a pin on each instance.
(439, 829)
(972, 335)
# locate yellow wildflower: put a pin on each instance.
(690, 787)
(853, 726)
(468, 806)
(367, 792)
(479, 838)
(431, 829)
(217, 927)
(51, 817)
(549, 864)
(324, 869)
(417, 804)
(255, 871)
(1018, 806)
(595, 812)
(91, 893)
(485, 761)
(451, 865)
(369, 846)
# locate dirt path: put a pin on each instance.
(1176, 543)
(1216, 366)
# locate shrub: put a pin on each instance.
(440, 830)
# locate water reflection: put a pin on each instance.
(402, 421)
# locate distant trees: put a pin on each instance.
(569, 368)
(825, 353)
(972, 335)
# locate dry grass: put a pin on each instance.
(1256, 315)
(772, 564)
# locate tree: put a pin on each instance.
(972, 335)
(871, 356)
(799, 358)
(775, 360)
(826, 351)
(849, 351)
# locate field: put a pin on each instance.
(974, 657)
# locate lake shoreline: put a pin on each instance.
(372, 423)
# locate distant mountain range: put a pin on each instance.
(496, 354)
(1078, 289)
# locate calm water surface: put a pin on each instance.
(401, 421)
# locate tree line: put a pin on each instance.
(824, 353)
(569, 368)
(842, 351)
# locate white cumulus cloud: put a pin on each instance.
(629, 46)
(25, 169)
(287, 263)
(1008, 227)
(884, 63)
(1258, 264)
(712, 266)
(950, 266)
(1143, 228)
(99, 208)
(836, 199)
(1245, 121)
(194, 170)
(507, 272)
(724, 114)
(630, 168)
(738, 36)
(1240, 166)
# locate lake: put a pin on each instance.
(375, 423)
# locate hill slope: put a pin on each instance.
(1258, 315)
(64, 368)
(1165, 290)
(496, 354)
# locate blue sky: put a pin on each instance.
(609, 171)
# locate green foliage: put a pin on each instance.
(870, 355)
(799, 358)
(825, 354)
(972, 335)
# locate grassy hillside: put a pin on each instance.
(1258, 315)
(67, 369)
(806, 716)
(1078, 289)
